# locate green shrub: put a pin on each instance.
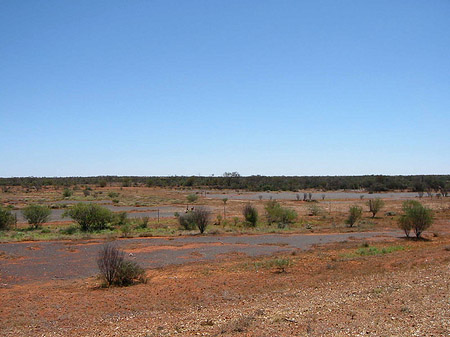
(186, 221)
(315, 210)
(275, 213)
(375, 205)
(120, 219)
(250, 214)
(67, 193)
(125, 229)
(90, 216)
(7, 218)
(115, 270)
(191, 198)
(36, 215)
(113, 195)
(416, 217)
(197, 218)
(201, 218)
(69, 230)
(355, 213)
(143, 222)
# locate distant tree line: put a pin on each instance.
(371, 183)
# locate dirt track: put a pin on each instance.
(28, 262)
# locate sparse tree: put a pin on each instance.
(355, 213)
(375, 205)
(415, 217)
(36, 215)
(224, 200)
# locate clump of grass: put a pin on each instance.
(367, 250)
(280, 264)
(69, 230)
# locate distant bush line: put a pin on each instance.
(370, 183)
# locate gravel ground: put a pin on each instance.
(400, 294)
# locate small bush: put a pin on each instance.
(375, 205)
(113, 195)
(7, 218)
(281, 215)
(191, 198)
(90, 216)
(201, 218)
(69, 230)
(115, 270)
(125, 229)
(67, 193)
(143, 222)
(186, 221)
(416, 217)
(354, 216)
(315, 210)
(36, 215)
(250, 214)
(120, 219)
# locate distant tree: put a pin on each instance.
(375, 205)
(415, 217)
(224, 200)
(36, 215)
(250, 214)
(355, 213)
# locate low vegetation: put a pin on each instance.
(250, 214)
(7, 218)
(36, 215)
(199, 217)
(90, 216)
(275, 213)
(415, 217)
(115, 270)
(375, 205)
(355, 213)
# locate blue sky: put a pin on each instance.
(203, 87)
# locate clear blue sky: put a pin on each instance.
(203, 87)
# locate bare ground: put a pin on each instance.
(324, 293)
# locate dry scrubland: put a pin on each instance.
(384, 286)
